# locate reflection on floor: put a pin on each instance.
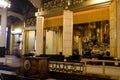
(56, 77)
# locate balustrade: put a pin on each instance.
(85, 67)
(66, 67)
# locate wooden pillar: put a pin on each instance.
(24, 40)
(39, 34)
(80, 45)
(55, 42)
(67, 32)
(114, 28)
(3, 31)
(44, 44)
(59, 41)
(11, 40)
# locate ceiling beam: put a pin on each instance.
(36, 3)
(11, 13)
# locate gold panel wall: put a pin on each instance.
(99, 14)
(91, 15)
(53, 22)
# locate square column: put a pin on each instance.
(39, 34)
(3, 31)
(114, 28)
(67, 32)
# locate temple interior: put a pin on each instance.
(59, 40)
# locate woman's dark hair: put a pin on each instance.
(18, 42)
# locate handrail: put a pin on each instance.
(116, 62)
(99, 60)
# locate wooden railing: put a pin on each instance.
(88, 66)
(106, 67)
(66, 67)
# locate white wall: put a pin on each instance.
(30, 41)
(49, 42)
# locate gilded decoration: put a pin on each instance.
(30, 22)
(60, 3)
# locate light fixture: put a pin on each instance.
(17, 31)
(99, 1)
(5, 4)
(68, 3)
